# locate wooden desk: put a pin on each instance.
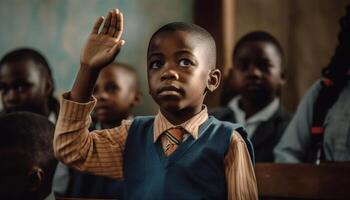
(326, 181)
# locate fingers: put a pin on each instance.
(120, 25)
(113, 24)
(112, 27)
(97, 25)
(107, 23)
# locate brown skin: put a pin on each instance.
(24, 87)
(116, 93)
(192, 82)
(258, 75)
(178, 75)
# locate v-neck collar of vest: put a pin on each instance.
(191, 126)
(181, 150)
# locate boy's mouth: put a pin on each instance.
(170, 90)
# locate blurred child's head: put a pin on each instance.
(181, 62)
(26, 82)
(26, 154)
(258, 66)
(117, 93)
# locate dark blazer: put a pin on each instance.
(266, 135)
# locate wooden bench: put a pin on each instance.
(304, 181)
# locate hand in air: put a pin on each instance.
(103, 46)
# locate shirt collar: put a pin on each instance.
(263, 115)
(161, 124)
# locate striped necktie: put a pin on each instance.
(174, 138)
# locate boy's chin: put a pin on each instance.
(170, 106)
(256, 95)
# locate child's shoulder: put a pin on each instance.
(143, 119)
(225, 124)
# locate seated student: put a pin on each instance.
(26, 157)
(320, 129)
(258, 75)
(26, 84)
(117, 94)
(180, 153)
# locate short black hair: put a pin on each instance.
(38, 58)
(31, 135)
(203, 34)
(259, 36)
(338, 68)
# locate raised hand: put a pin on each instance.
(102, 47)
(100, 50)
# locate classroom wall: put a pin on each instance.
(58, 28)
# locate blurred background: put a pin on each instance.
(58, 29)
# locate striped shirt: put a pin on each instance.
(101, 151)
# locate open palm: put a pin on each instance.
(102, 47)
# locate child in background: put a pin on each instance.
(117, 94)
(320, 129)
(258, 75)
(26, 84)
(180, 153)
(26, 155)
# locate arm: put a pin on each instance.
(295, 140)
(240, 176)
(98, 152)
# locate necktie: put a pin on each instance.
(174, 138)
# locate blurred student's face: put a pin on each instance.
(116, 93)
(177, 71)
(258, 71)
(23, 87)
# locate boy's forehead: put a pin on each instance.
(184, 39)
(20, 66)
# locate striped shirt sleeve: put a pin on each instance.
(99, 152)
(240, 176)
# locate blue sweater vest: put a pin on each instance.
(194, 171)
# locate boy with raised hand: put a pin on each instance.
(180, 153)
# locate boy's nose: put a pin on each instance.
(253, 70)
(101, 96)
(169, 74)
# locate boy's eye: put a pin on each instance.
(21, 87)
(264, 66)
(156, 64)
(111, 88)
(241, 65)
(185, 63)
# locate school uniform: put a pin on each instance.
(295, 142)
(134, 151)
(85, 185)
(265, 128)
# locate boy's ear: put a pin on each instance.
(137, 99)
(48, 86)
(213, 79)
(283, 77)
(35, 178)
